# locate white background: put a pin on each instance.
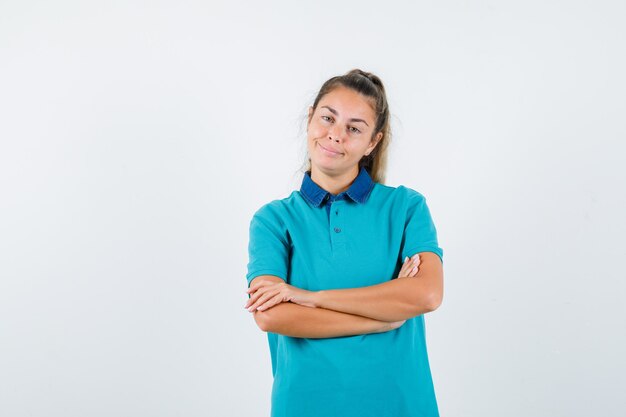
(138, 138)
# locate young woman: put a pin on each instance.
(341, 272)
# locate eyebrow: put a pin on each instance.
(333, 111)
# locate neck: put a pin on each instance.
(334, 183)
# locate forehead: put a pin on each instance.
(348, 103)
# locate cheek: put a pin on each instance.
(316, 131)
(355, 149)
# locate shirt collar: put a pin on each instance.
(358, 191)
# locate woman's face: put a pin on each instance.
(339, 132)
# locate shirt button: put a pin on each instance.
(337, 229)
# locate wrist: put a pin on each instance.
(318, 298)
(381, 326)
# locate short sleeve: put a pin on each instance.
(420, 234)
(268, 247)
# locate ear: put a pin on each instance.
(374, 142)
(310, 114)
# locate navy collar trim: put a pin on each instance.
(358, 191)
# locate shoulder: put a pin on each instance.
(276, 209)
(399, 194)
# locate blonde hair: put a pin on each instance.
(371, 87)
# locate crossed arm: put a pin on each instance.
(351, 311)
(294, 320)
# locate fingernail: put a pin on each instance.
(406, 259)
(414, 268)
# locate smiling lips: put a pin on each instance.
(330, 151)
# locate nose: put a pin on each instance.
(334, 132)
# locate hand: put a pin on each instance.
(395, 324)
(410, 267)
(390, 326)
(266, 294)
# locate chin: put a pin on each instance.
(328, 167)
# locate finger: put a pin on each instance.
(266, 296)
(258, 285)
(254, 287)
(263, 283)
(415, 260)
(405, 267)
(254, 298)
(277, 299)
(413, 271)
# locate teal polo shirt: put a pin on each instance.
(315, 240)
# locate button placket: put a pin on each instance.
(337, 234)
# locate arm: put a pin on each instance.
(398, 299)
(294, 320)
